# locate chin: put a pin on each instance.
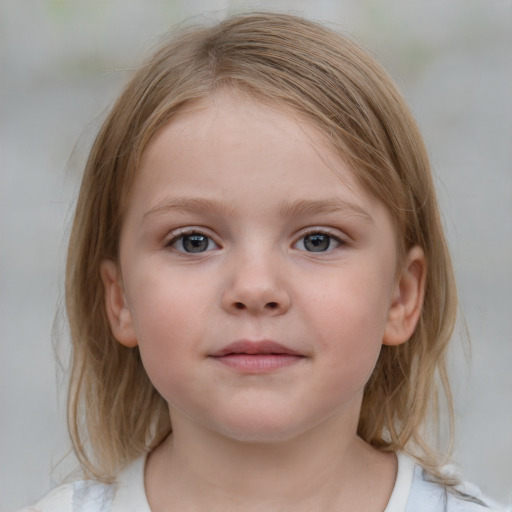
(259, 431)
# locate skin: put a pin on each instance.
(258, 188)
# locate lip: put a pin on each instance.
(264, 347)
(256, 356)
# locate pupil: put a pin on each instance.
(195, 243)
(317, 243)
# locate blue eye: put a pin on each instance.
(193, 243)
(318, 242)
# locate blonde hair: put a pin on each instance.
(114, 412)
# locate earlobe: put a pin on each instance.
(118, 312)
(407, 300)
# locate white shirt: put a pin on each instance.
(413, 492)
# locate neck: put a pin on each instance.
(196, 468)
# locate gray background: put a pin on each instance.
(62, 63)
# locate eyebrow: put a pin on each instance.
(330, 205)
(288, 209)
(187, 204)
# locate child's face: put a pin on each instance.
(258, 283)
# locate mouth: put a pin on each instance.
(256, 356)
(251, 348)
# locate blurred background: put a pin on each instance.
(61, 65)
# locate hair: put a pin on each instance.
(114, 412)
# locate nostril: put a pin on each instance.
(272, 305)
(239, 305)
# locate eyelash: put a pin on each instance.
(182, 234)
(323, 232)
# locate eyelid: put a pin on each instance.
(335, 234)
(176, 234)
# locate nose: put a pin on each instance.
(257, 287)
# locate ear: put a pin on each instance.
(118, 312)
(407, 299)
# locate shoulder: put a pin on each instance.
(428, 496)
(414, 491)
(80, 496)
(126, 495)
(60, 499)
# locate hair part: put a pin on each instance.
(114, 412)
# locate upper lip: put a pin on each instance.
(263, 347)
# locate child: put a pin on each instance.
(258, 286)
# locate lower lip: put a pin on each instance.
(258, 363)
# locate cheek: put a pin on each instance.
(168, 355)
(167, 304)
(355, 307)
(350, 318)
(169, 325)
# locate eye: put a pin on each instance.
(192, 242)
(318, 242)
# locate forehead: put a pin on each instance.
(233, 144)
(237, 125)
